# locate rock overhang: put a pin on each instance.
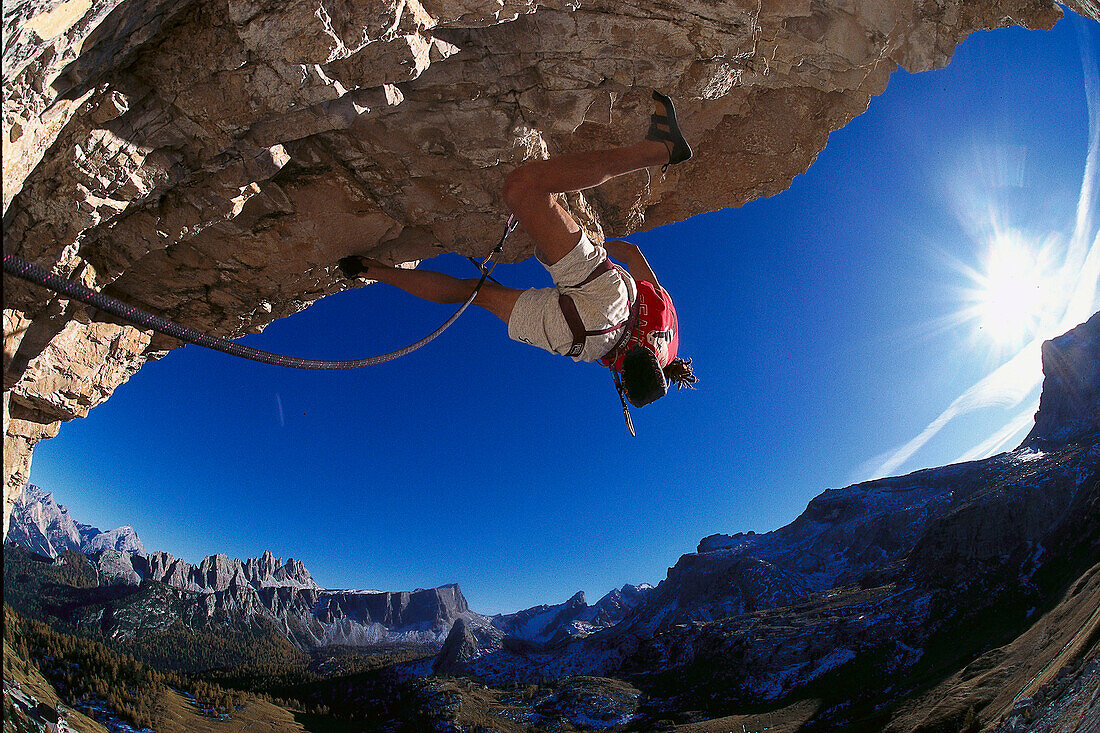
(211, 159)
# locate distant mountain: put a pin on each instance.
(215, 573)
(1069, 407)
(874, 592)
(43, 526)
(240, 594)
(572, 619)
(219, 592)
(128, 597)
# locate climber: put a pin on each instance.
(596, 310)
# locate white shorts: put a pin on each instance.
(605, 302)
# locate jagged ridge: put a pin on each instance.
(43, 526)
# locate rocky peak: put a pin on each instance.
(1069, 407)
(45, 527)
(460, 648)
(551, 624)
(541, 623)
(121, 539)
(218, 573)
(434, 607)
(727, 542)
(616, 605)
(936, 522)
(269, 571)
(263, 567)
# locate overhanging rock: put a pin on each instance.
(210, 160)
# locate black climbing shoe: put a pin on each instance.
(352, 266)
(663, 128)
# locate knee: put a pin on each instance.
(521, 188)
(498, 300)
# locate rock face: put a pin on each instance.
(287, 594)
(1070, 403)
(225, 590)
(209, 160)
(551, 624)
(428, 610)
(219, 573)
(460, 647)
(542, 623)
(45, 527)
(869, 569)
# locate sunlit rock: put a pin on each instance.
(210, 160)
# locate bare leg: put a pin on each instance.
(529, 190)
(529, 193)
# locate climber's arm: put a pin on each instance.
(631, 256)
(440, 288)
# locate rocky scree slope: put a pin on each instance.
(210, 160)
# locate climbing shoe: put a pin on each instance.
(663, 128)
(352, 266)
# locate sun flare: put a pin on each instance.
(1016, 291)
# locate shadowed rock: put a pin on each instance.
(1069, 407)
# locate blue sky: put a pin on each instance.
(841, 330)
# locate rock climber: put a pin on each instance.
(596, 310)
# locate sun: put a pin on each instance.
(1015, 292)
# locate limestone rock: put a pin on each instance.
(46, 528)
(42, 525)
(543, 623)
(436, 607)
(122, 539)
(616, 605)
(1070, 403)
(459, 648)
(218, 573)
(116, 568)
(210, 160)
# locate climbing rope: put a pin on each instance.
(32, 273)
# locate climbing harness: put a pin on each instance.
(580, 333)
(32, 273)
(573, 317)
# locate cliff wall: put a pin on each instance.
(210, 160)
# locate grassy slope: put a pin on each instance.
(787, 719)
(179, 715)
(34, 684)
(995, 680)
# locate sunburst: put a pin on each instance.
(1018, 290)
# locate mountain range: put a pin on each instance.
(917, 602)
(224, 590)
